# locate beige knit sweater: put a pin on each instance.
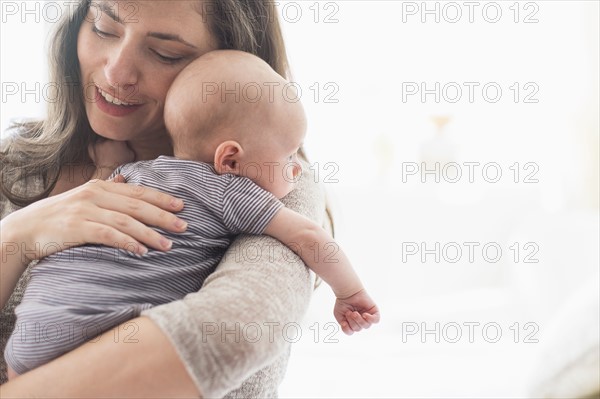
(260, 285)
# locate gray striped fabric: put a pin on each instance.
(76, 294)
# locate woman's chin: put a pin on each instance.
(112, 131)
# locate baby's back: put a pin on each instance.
(78, 293)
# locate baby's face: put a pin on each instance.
(273, 164)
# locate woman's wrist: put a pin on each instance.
(14, 241)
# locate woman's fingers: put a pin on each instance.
(99, 212)
(130, 227)
(108, 216)
(141, 211)
(130, 208)
(146, 194)
(98, 233)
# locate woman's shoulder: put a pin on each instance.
(24, 187)
(20, 153)
(309, 197)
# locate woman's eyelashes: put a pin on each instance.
(101, 33)
(169, 60)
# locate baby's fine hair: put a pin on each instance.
(226, 93)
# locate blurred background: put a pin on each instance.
(459, 147)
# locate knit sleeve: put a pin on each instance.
(30, 185)
(232, 330)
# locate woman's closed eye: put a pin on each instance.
(167, 59)
(102, 33)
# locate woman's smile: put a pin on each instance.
(127, 67)
(112, 105)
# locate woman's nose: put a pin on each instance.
(121, 70)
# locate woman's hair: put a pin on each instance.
(42, 148)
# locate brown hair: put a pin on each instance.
(44, 147)
(248, 25)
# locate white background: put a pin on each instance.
(365, 54)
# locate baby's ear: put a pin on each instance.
(227, 157)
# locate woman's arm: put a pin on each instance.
(138, 362)
(98, 212)
(236, 324)
(205, 344)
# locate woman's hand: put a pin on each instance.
(98, 212)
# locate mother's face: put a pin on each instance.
(129, 54)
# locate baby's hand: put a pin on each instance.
(356, 312)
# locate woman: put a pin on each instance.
(130, 52)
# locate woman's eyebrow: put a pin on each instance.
(106, 8)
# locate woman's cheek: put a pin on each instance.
(84, 53)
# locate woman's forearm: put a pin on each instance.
(134, 360)
(259, 284)
(237, 323)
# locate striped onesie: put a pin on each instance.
(77, 294)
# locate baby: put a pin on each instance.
(235, 153)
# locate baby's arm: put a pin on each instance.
(354, 309)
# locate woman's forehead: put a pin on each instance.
(131, 8)
(180, 19)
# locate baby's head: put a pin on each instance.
(232, 109)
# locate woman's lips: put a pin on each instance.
(114, 109)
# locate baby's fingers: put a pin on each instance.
(119, 179)
(371, 318)
(346, 328)
(356, 321)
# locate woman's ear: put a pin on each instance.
(227, 157)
